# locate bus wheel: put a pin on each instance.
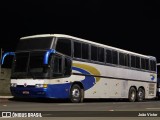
(132, 94)
(76, 94)
(140, 95)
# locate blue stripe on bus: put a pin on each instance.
(6, 54)
(89, 81)
(52, 91)
(47, 54)
(59, 90)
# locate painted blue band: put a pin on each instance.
(6, 54)
(47, 54)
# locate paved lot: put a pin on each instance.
(89, 109)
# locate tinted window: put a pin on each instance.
(68, 67)
(143, 64)
(133, 61)
(121, 59)
(153, 65)
(94, 53)
(137, 62)
(77, 50)
(108, 56)
(35, 43)
(21, 62)
(85, 51)
(101, 54)
(115, 57)
(64, 46)
(147, 64)
(57, 65)
(127, 58)
(36, 63)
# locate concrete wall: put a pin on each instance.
(5, 82)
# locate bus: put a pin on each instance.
(66, 67)
(158, 81)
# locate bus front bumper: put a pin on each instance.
(52, 91)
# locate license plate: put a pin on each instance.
(25, 92)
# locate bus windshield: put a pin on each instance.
(29, 64)
(36, 63)
(20, 62)
(39, 43)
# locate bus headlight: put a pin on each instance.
(41, 85)
(45, 85)
(13, 84)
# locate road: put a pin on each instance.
(89, 109)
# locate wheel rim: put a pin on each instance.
(140, 95)
(76, 93)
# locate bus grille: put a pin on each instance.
(151, 89)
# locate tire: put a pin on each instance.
(140, 95)
(132, 94)
(76, 94)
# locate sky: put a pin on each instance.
(130, 25)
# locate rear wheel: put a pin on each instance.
(132, 94)
(76, 94)
(140, 95)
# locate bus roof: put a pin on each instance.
(87, 41)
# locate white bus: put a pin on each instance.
(63, 66)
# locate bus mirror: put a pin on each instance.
(47, 54)
(6, 54)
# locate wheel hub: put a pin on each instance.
(75, 93)
(140, 94)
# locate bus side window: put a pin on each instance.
(153, 65)
(121, 59)
(133, 61)
(57, 69)
(138, 62)
(143, 64)
(64, 46)
(147, 64)
(77, 50)
(85, 51)
(108, 56)
(67, 67)
(127, 60)
(94, 53)
(101, 54)
(115, 57)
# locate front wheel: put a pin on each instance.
(76, 94)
